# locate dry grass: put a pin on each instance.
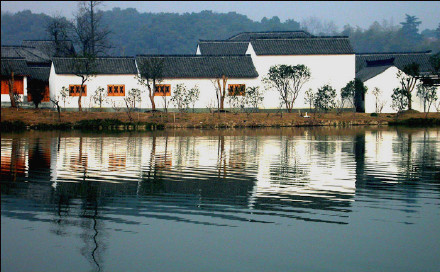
(209, 120)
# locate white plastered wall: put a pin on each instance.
(335, 70)
(56, 82)
(387, 81)
(207, 97)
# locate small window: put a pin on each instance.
(163, 90)
(116, 90)
(75, 89)
(236, 89)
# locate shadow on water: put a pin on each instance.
(220, 179)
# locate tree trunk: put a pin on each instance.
(153, 105)
(222, 91)
(11, 90)
(92, 27)
(79, 100)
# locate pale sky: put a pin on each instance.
(358, 13)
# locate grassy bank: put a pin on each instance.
(13, 119)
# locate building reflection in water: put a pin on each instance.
(211, 179)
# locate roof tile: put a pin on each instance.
(190, 66)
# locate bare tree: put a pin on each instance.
(85, 68)
(62, 96)
(150, 75)
(10, 70)
(409, 77)
(220, 91)
(91, 35)
(58, 30)
(379, 102)
(316, 26)
(11, 82)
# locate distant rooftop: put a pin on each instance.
(16, 65)
(64, 48)
(247, 36)
(401, 59)
(30, 54)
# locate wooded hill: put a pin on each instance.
(134, 33)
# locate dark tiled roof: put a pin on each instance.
(30, 54)
(223, 47)
(247, 36)
(16, 65)
(370, 72)
(304, 46)
(40, 73)
(190, 66)
(102, 65)
(400, 59)
(48, 47)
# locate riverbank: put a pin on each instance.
(48, 119)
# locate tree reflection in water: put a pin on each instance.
(215, 180)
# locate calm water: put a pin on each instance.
(321, 199)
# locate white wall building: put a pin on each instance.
(331, 60)
(190, 70)
(379, 70)
(115, 75)
(21, 73)
(245, 60)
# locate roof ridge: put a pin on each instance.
(100, 57)
(406, 52)
(47, 40)
(302, 38)
(21, 46)
(229, 41)
(197, 56)
(267, 32)
(13, 58)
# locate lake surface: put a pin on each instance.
(294, 199)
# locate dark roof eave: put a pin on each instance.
(314, 54)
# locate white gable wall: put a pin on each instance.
(386, 82)
(335, 70)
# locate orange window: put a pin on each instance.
(116, 90)
(18, 86)
(74, 90)
(236, 89)
(163, 90)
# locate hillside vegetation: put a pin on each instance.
(134, 33)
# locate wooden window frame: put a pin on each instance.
(159, 90)
(231, 86)
(111, 88)
(76, 92)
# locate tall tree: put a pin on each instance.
(85, 68)
(150, 74)
(58, 29)
(220, 84)
(410, 30)
(91, 34)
